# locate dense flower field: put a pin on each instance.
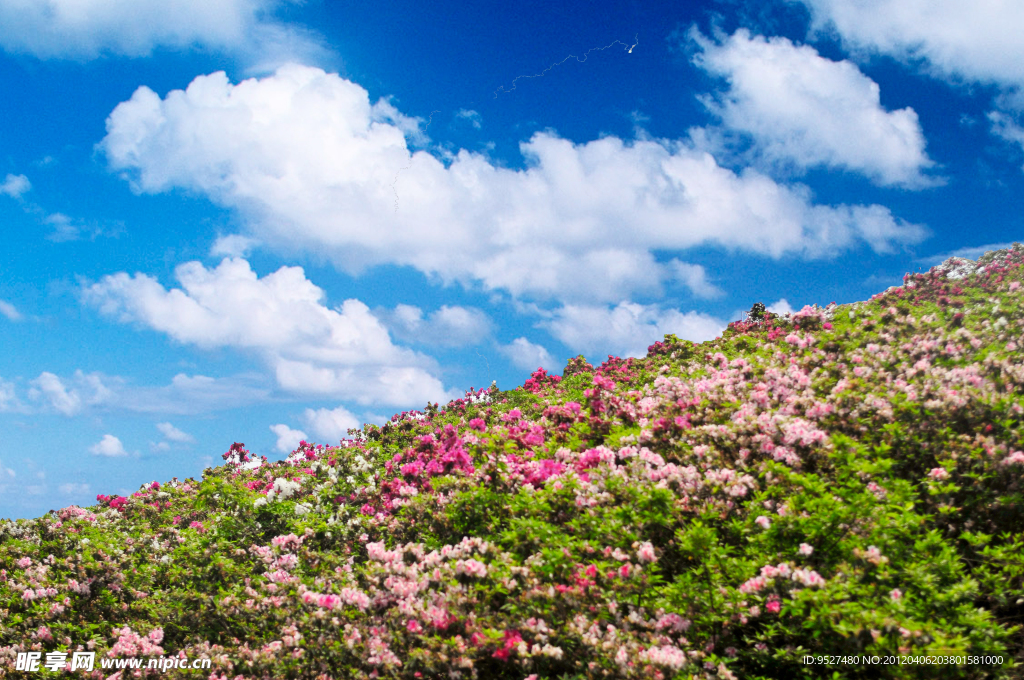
(845, 480)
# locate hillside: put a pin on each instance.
(843, 481)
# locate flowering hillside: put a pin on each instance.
(845, 481)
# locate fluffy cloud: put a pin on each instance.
(780, 306)
(85, 29)
(110, 446)
(694, 277)
(448, 326)
(15, 185)
(976, 41)
(313, 167)
(331, 425)
(70, 398)
(10, 311)
(232, 245)
(312, 349)
(287, 438)
(805, 110)
(173, 434)
(629, 328)
(527, 355)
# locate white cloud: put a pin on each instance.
(10, 311)
(85, 29)
(1006, 127)
(974, 41)
(110, 446)
(15, 185)
(193, 394)
(232, 245)
(472, 116)
(287, 438)
(695, 278)
(803, 109)
(70, 398)
(331, 425)
(448, 326)
(781, 307)
(173, 434)
(6, 472)
(629, 328)
(8, 398)
(74, 489)
(313, 350)
(296, 151)
(527, 355)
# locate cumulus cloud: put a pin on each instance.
(695, 278)
(10, 311)
(473, 117)
(311, 349)
(15, 185)
(448, 326)
(287, 438)
(69, 398)
(232, 245)
(173, 434)
(804, 110)
(527, 356)
(110, 446)
(974, 41)
(85, 29)
(780, 306)
(311, 165)
(331, 425)
(627, 329)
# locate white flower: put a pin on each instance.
(806, 549)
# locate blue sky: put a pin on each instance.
(263, 220)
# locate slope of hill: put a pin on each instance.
(845, 481)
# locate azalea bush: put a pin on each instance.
(842, 481)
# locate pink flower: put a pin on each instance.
(773, 606)
(806, 549)
(1015, 457)
(763, 522)
(896, 593)
(938, 473)
(1014, 285)
(473, 568)
(646, 552)
(413, 626)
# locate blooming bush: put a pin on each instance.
(843, 480)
